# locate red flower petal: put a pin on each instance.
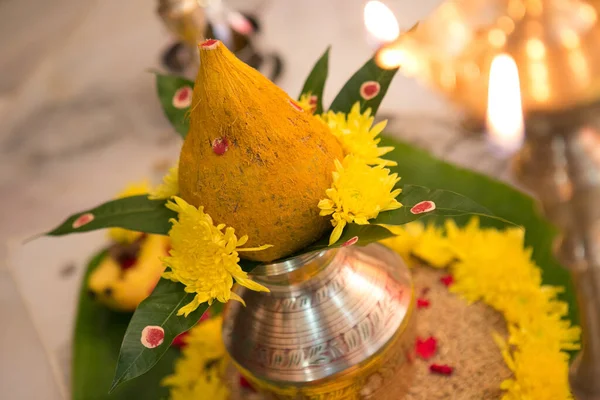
(205, 316)
(179, 340)
(410, 356)
(245, 384)
(447, 280)
(423, 303)
(426, 348)
(127, 262)
(441, 369)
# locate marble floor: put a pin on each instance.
(79, 119)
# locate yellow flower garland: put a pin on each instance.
(493, 266)
(200, 370)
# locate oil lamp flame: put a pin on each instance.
(504, 110)
(381, 24)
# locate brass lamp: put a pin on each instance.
(555, 44)
(555, 47)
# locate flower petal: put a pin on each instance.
(250, 284)
(337, 232)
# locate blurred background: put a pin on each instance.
(80, 119)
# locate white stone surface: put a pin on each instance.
(80, 120)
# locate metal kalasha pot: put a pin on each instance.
(337, 324)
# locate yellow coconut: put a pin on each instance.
(253, 158)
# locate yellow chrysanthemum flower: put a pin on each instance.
(359, 193)
(169, 187)
(494, 267)
(540, 368)
(308, 102)
(415, 241)
(407, 237)
(125, 236)
(433, 248)
(357, 136)
(204, 257)
(200, 371)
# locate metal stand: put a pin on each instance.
(561, 163)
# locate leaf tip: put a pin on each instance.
(153, 71)
(116, 382)
(37, 236)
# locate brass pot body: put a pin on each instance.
(339, 324)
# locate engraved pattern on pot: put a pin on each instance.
(347, 342)
(300, 340)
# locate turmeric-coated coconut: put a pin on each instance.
(253, 158)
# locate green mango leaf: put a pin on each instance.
(417, 166)
(315, 83)
(136, 213)
(447, 204)
(96, 340)
(166, 87)
(158, 309)
(351, 92)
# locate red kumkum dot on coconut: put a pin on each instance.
(441, 369)
(220, 146)
(426, 348)
(210, 44)
(369, 90)
(183, 97)
(447, 280)
(423, 207)
(152, 336)
(351, 242)
(423, 303)
(296, 105)
(83, 220)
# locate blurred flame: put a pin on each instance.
(380, 22)
(393, 57)
(505, 111)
